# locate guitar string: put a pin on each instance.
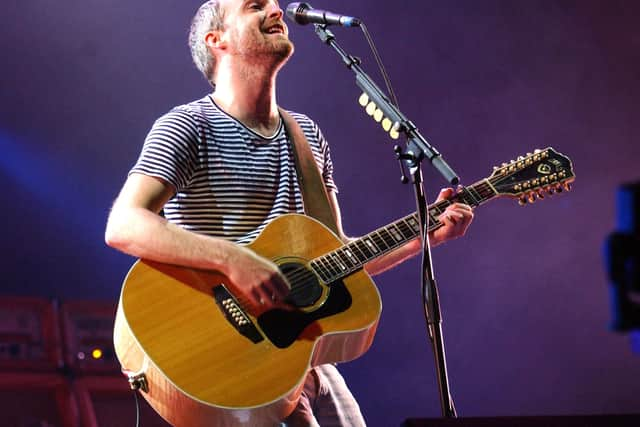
(298, 274)
(297, 277)
(483, 189)
(336, 271)
(332, 270)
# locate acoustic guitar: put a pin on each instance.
(201, 359)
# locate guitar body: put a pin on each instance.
(206, 364)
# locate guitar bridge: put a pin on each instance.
(235, 315)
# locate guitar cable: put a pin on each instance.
(135, 397)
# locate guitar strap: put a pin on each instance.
(315, 198)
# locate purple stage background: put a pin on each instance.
(524, 295)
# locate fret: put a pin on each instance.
(433, 222)
(338, 261)
(357, 252)
(393, 230)
(371, 245)
(438, 208)
(413, 221)
(475, 198)
(322, 272)
(491, 190)
(405, 229)
(346, 259)
(387, 237)
(379, 240)
(351, 257)
(334, 265)
(364, 249)
(325, 262)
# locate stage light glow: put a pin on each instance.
(96, 353)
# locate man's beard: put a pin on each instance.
(263, 48)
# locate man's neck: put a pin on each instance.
(249, 95)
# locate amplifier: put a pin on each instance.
(42, 400)
(87, 328)
(29, 334)
(106, 401)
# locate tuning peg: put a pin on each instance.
(520, 158)
(551, 191)
(529, 154)
(567, 186)
(522, 200)
(540, 194)
(559, 188)
(505, 165)
(531, 197)
(537, 150)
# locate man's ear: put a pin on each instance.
(214, 40)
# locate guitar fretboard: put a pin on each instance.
(352, 256)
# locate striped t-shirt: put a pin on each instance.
(230, 181)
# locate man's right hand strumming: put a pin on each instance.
(255, 281)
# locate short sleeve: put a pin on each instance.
(170, 150)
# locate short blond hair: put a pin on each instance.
(207, 18)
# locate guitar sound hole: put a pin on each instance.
(305, 288)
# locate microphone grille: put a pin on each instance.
(295, 12)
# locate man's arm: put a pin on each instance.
(134, 227)
(456, 219)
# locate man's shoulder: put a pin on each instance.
(192, 113)
(303, 120)
(198, 107)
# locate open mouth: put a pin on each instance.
(275, 29)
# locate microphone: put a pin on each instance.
(303, 14)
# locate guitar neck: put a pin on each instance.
(354, 255)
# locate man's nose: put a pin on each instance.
(274, 11)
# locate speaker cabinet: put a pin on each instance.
(37, 400)
(109, 402)
(87, 329)
(29, 335)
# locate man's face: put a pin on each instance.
(255, 30)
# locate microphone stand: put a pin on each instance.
(417, 150)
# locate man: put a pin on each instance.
(222, 168)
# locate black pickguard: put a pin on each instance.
(283, 327)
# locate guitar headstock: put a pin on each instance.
(531, 177)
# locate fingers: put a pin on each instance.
(256, 281)
(456, 213)
(445, 193)
(279, 286)
(455, 220)
(268, 294)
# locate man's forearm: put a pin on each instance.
(144, 234)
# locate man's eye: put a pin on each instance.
(255, 6)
